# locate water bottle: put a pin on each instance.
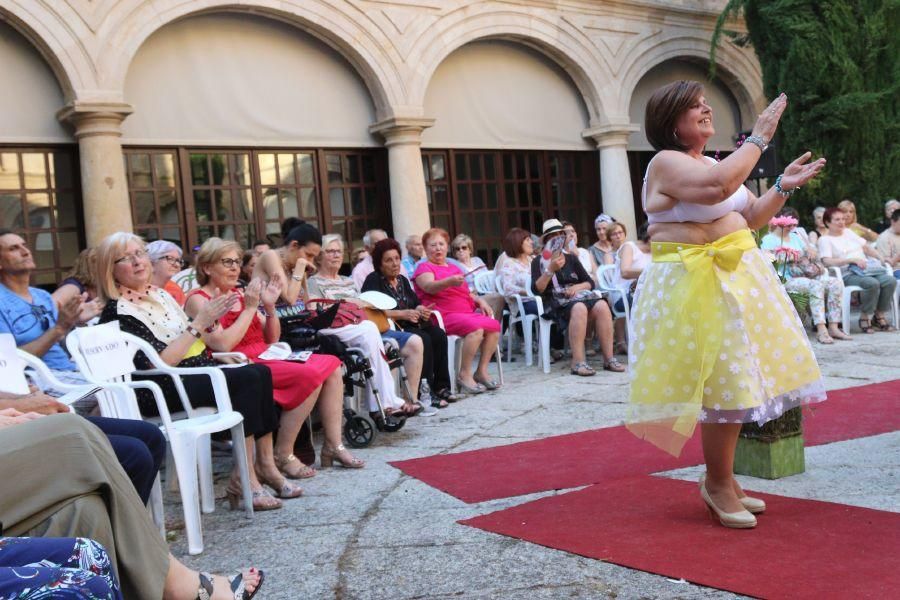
(425, 399)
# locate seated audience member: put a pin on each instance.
(260, 246)
(356, 256)
(515, 275)
(602, 251)
(83, 492)
(72, 568)
(79, 281)
(840, 247)
(889, 207)
(889, 243)
(167, 262)
(584, 257)
(139, 446)
(819, 228)
(364, 267)
(802, 271)
(329, 284)
(145, 311)
(631, 260)
(444, 286)
(566, 289)
(414, 253)
(462, 248)
(291, 265)
(296, 386)
(852, 224)
(411, 317)
(248, 265)
(34, 320)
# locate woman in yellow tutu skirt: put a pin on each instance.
(714, 338)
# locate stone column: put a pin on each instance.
(103, 183)
(409, 202)
(615, 176)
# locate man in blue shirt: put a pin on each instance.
(414, 253)
(31, 316)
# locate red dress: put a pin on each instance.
(292, 382)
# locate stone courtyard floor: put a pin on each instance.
(378, 533)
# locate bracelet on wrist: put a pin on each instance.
(757, 141)
(781, 190)
(212, 327)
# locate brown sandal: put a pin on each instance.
(867, 328)
(881, 324)
(301, 472)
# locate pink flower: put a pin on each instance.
(783, 221)
(786, 252)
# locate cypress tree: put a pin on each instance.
(838, 61)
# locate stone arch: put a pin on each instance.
(333, 25)
(736, 69)
(557, 40)
(58, 45)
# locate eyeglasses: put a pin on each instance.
(138, 256)
(175, 262)
(334, 251)
(230, 262)
(25, 322)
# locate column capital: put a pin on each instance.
(611, 134)
(401, 130)
(95, 118)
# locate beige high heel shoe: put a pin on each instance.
(753, 505)
(329, 455)
(736, 520)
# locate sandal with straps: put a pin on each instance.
(582, 369)
(824, 337)
(261, 498)
(235, 582)
(881, 324)
(302, 472)
(867, 328)
(613, 365)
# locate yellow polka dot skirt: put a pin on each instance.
(714, 338)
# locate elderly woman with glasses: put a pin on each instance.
(249, 327)
(462, 248)
(166, 259)
(602, 251)
(145, 311)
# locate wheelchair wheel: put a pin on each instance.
(392, 423)
(358, 432)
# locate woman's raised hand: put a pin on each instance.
(767, 122)
(215, 309)
(800, 171)
(271, 292)
(252, 293)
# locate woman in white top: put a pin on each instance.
(842, 248)
(631, 260)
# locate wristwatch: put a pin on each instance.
(297, 277)
(193, 331)
(757, 141)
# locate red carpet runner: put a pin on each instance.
(800, 549)
(603, 455)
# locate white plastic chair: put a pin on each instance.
(517, 314)
(845, 299)
(454, 357)
(189, 437)
(116, 401)
(186, 279)
(605, 274)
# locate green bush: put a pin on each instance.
(838, 61)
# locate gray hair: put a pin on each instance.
(367, 237)
(819, 210)
(410, 238)
(159, 248)
(890, 201)
(328, 238)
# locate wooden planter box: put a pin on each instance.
(772, 451)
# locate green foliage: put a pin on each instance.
(788, 424)
(838, 61)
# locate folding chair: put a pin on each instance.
(188, 432)
(530, 323)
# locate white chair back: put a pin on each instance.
(12, 367)
(485, 283)
(186, 279)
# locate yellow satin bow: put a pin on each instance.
(725, 252)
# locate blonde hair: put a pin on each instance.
(210, 252)
(83, 268)
(847, 206)
(108, 251)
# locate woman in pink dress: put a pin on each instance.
(444, 286)
(297, 386)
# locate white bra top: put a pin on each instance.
(697, 213)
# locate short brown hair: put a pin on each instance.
(830, 212)
(663, 109)
(512, 243)
(383, 247)
(212, 250)
(612, 226)
(83, 268)
(426, 237)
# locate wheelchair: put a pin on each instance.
(359, 427)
